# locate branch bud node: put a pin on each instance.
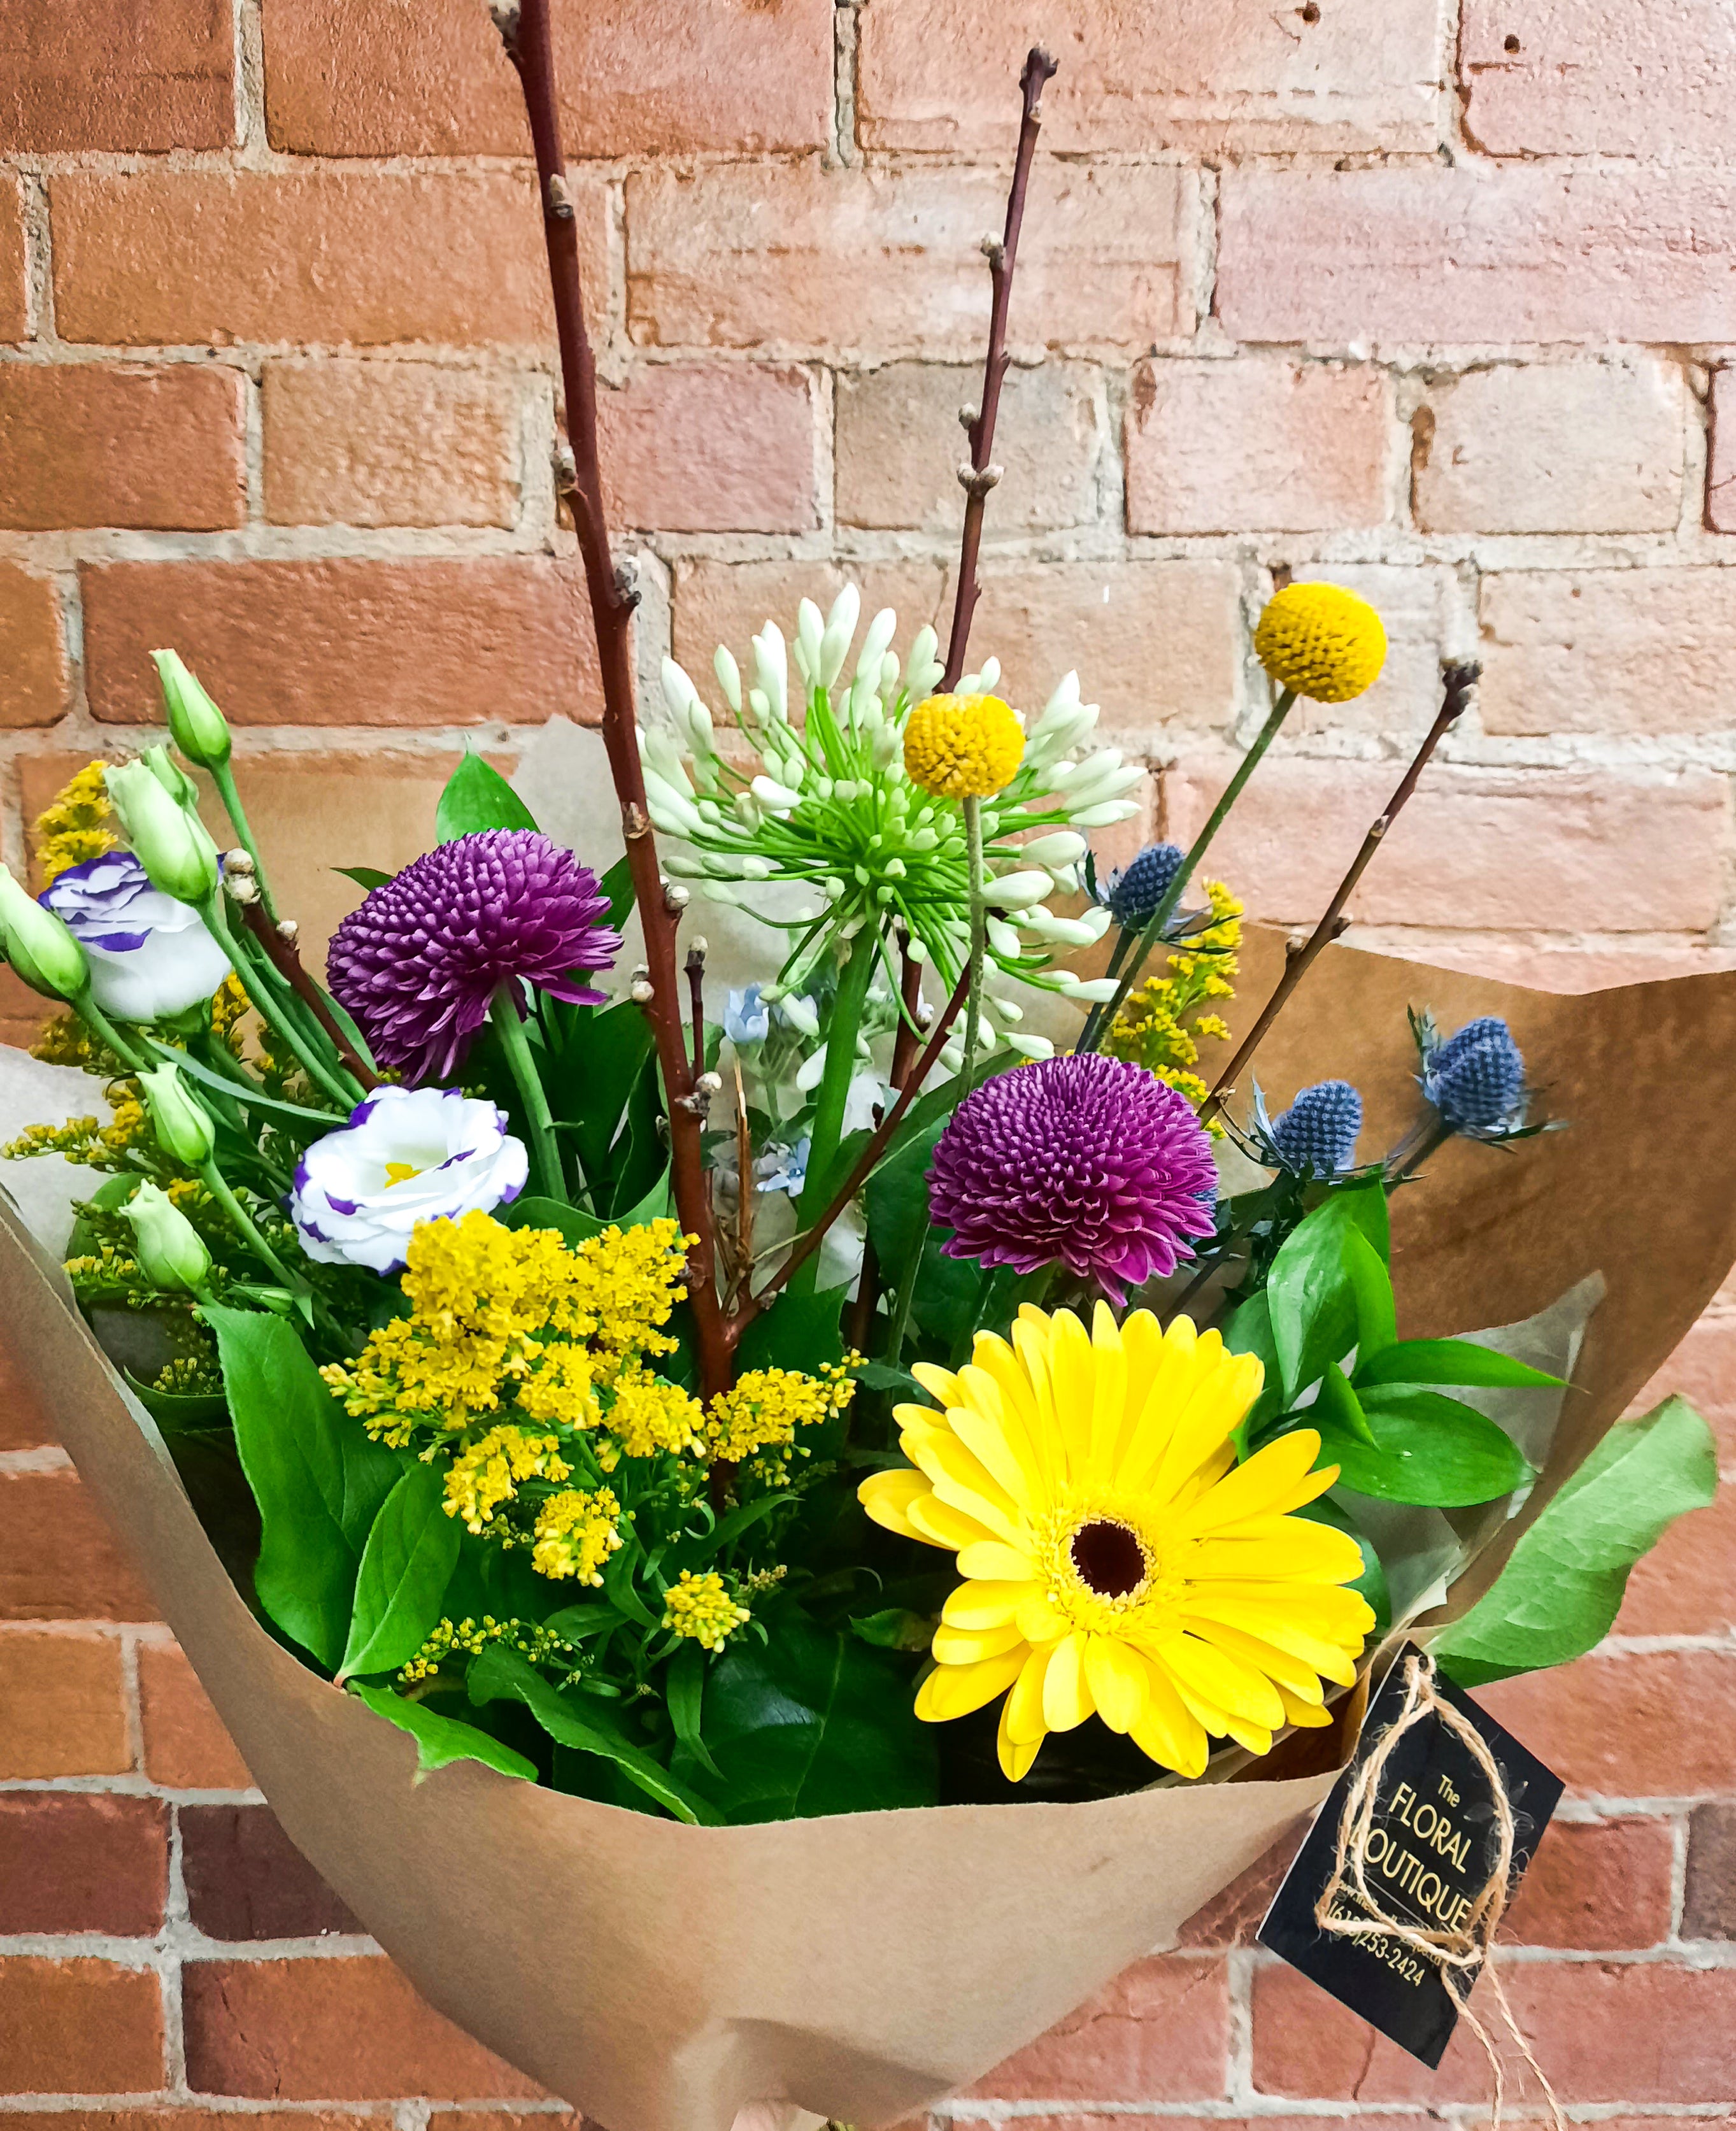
(287, 930)
(676, 898)
(969, 416)
(643, 991)
(560, 198)
(634, 823)
(977, 481)
(566, 467)
(994, 251)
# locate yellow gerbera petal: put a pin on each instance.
(1287, 1672)
(1283, 1549)
(1016, 1757)
(1169, 1733)
(936, 1523)
(887, 1497)
(995, 1439)
(1073, 1372)
(1066, 1697)
(1270, 1476)
(979, 1605)
(993, 1355)
(971, 1646)
(1310, 1715)
(941, 1385)
(1235, 1687)
(952, 1691)
(1040, 1620)
(994, 1557)
(1116, 1680)
(1023, 1715)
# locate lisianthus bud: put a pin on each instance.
(170, 775)
(170, 1250)
(199, 728)
(170, 842)
(183, 1128)
(38, 946)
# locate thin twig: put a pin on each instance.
(284, 958)
(696, 968)
(904, 1056)
(809, 1243)
(1457, 682)
(525, 31)
(979, 477)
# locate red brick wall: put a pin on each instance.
(1434, 298)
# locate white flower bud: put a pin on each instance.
(1031, 1046)
(169, 843)
(1114, 784)
(1096, 989)
(660, 754)
(1059, 848)
(810, 630)
(760, 704)
(802, 1015)
(684, 868)
(1017, 891)
(880, 633)
(771, 670)
(729, 676)
(1059, 932)
(1106, 815)
(888, 677)
(778, 799)
(812, 1070)
(1002, 938)
(841, 627)
(924, 669)
(199, 728)
(38, 944)
(170, 1251)
(182, 1128)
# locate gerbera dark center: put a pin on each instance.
(1108, 1558)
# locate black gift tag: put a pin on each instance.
(1431, 1848)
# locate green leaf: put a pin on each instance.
(895, 1628)
(575, 1224)
(477, 797)
(406, 1565)
(1372, 1582)
(1428, 1449)
(1312, 1297)
(174, 1412)
(797, 1332)
(1377, 1321)
(1249, 1331)
(1339, 1407)
(1447, 1361)
(441, 1740)
(814, 1721)
(1365, 1201)
(883, 1376)
(617, 885)
(317, 1479)
(684, 1690)
(252, 1099)
(504, 1674)
(1559, 1594)
(591, 1081)
(897, 1197)
(367, 876)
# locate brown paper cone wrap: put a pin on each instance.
(664, 1978)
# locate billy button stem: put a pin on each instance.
(978, 911)
(545, 1153)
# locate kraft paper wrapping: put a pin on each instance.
(667, 1978)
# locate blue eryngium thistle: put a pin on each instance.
(1316, 1136)
(1477, 1078)
(1134, 891)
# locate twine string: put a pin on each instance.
(1458, 1954)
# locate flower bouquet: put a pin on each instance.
(852, 1502)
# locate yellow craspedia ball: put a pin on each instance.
(963, 747)
(1322, 641)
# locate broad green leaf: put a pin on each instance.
(1428, 1449)
(478, 797)
(1249, 1331)
(317, 1479)
(575, 1224)
(174, 1412)
(503, 1674)
(1313, 1298)
(1339, 1407)
(948, 1292)
(797, 1332)
(367, 876)
(322, 1121)
(441, 1740)
(897, 1197)
(1372, 1582)
(406, 1565)
(895, 1628)
(1365, 1202)
(1559, 1594)
(1445, 1362)
(589, 1083)
(617, 885)
(684, 1690)
(814, 1721)
(883, 1376)
(1377, 1321)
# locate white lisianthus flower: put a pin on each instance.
(150, 956)
(406, 1155)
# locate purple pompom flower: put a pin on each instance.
(420, 964)
(1089, 1159)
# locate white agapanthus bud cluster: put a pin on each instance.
(811, 789)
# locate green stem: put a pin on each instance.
(1102, 1018)
(978, 939)
(279, 1005)
(899, 1325)
(827, 1130)
(545, 1151)
(224, 778)
(92, 1015)
(210, 1176)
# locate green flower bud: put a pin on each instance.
(170, 775)
(170, 1250)
(200, 728)
(182, 1128)
(170, 841)
(38, 944)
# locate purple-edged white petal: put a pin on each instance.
(150, 956)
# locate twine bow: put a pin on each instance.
(1458, 1954)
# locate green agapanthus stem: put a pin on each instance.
(212, 1177)
(93, 1018)
(973, 809)
(222, 776)
(1102, 1018)
(827, 1130)
(278, 1004)
(545, 1151)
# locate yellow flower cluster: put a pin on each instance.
(575, 1533)
(700, 1607)
(470, 1638)
(76, 825)
(485, 1474)
(963, 747)
(649, 1415)
(500, 1314)
(1161, 1025)
(1325, 643)
(88, 1141)
(763, 1408)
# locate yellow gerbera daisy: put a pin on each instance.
(1116, 1559)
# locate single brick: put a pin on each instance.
(1703, 1371)
(168, 257)
(1475, 850)
(389, 443)
(1721, 467)
(112, 74)
(1686, 1585)
(14, 303)
(186, 1747)
(89, 444)
(887, 261)
(1709, 1899)
(83, 1864)
(943, 75)
(325, 642)
(1597, 1886)
(1597, 78)
(33, 675)
(1646, 1724)
(638, 77)
(1606, 651)
(72, 2027)
(1550, 448)
(721, 449)
(62, 1710)
(1160, 2032)
(1476, 253)
(1257, 444)
(900, 445)
(305, 2030)
(59, 1560)
(246, 1879)
(1602, 2031)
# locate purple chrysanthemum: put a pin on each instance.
(1090, 1160)
(420, 964)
